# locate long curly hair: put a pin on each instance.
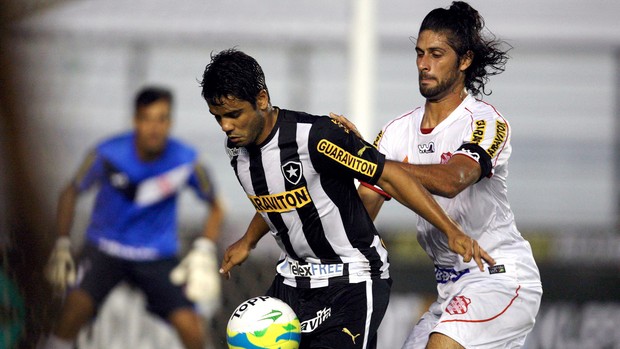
(463, 26)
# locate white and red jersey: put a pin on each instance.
(477, 130)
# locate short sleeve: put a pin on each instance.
(91, 171)
(335, 149)
(487, 142)
(200, 181)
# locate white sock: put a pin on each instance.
(54, 342)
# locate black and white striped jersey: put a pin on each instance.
(301, 181)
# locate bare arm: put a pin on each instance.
(372, 200)
(213, 221)
(405, 188)
(411, 188)
(445, 180)
(448, 179)
(239, 251)
(409, 192)
(60, 269)
(66, 210)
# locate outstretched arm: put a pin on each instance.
(239, 251)
(213, 221)
(372, 201)
(198, 269)
(445, 180)
(60, 268)
(66, 210)
(405, 188)
(448, 179)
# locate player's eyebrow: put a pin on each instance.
(230, 114)
(431, 49)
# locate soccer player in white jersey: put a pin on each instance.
(458, 147)
(298, 171)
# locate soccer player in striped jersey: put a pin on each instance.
(458, 147)
(132, 235)
(298, 172)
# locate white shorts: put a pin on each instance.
(480, 312)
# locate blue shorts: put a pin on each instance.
(339, 316)
(98, 273)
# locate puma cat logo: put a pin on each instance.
(361, 151)
(346, 330)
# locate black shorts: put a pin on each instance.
(98, 273)
(340, 316)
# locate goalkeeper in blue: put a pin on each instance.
(132, 235)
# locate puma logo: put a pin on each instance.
(361, 151)
(346, 330)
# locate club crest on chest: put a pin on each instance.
(292, 172)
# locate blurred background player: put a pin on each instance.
(298, 171)
(132, 235)
(458, 147)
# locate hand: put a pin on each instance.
(198, 271)
(60, 269)
(469, 248)
(348, 124)
(235, 254)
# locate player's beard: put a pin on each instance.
(255, 129)
(442, 88)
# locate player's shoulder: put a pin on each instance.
(115, 144)
(326, 127)
(299, 117)
(181, 149)
(402, 122)
(320, 124)
(483, 110)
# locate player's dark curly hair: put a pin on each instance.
(232, 73)
(463, 26)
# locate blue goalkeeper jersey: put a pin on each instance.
(134, 216)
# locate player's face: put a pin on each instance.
(152, 123)
(439, 70)
(241, 121)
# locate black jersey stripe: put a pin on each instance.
(259, 184)
(312, 228)
(355, 230)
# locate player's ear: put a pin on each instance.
(262, 99)
(466, 60)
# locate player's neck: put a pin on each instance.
(270, 122)
(437, 110)
(146, 156)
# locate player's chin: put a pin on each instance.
(154, 149)
(238, 141)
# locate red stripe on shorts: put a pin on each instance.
(491, 318)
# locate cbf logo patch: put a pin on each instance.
(235, 151)
(292, 171)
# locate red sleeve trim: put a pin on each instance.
(377, 190)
